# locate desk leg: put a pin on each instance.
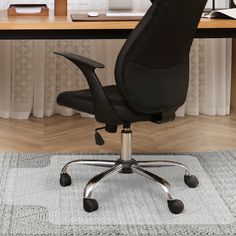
(233, 83)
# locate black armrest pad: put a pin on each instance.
(80, 59)
(103, 109)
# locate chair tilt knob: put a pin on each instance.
(109, 128)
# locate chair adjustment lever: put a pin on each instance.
(98, 138)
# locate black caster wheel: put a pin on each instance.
(65, 180)
(175, 206)
(90, 204)
(191, 181)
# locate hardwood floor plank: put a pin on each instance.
(76, 134)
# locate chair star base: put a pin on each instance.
(127, 165)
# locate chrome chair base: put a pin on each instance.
(127, 165)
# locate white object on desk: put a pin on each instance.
(225, 13)
(117, 14)
(93, 14)
(121, 4)
(28, 10)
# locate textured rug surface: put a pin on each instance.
(33, 203)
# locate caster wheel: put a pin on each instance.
(90, 204)
(191, 181)
(65, 180)
(175, 206)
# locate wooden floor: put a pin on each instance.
(76, 134)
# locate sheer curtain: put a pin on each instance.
(32, 76)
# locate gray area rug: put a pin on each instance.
(33, 203)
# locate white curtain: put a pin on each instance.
(31, 76)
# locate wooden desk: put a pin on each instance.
(65, 23)
(63, 28)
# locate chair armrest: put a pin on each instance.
(79, 60)
(103, 109)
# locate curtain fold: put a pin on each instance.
(32, 76)
(210, 78)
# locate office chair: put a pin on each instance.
(151, 74)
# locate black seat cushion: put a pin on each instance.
(82, 100)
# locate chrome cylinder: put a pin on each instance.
(126, 145)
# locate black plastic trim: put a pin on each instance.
(99, 34)
(64, 34)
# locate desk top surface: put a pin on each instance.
(65, 23)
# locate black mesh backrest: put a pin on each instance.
(152, 67)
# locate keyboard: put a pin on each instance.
(124, 14)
